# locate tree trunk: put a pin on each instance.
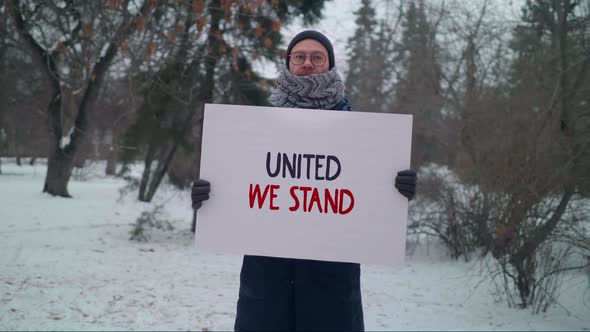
(194, 223)
(163, 163)
(32, 161)
(162, 168)
(79, 162)
(207, 95)
(59, 170)
(158, 175)
(525, 281)
(60, 161)
(166, 158)
(111, 161)
(145, 176)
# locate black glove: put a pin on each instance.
(405, 182)
(200, 192)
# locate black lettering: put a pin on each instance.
(299, 166)
(308, 157)
(288, 164)
(329, 159)
(277, 170)
(318, 166)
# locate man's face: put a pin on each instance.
(312, 50)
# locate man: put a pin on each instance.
(296, 294)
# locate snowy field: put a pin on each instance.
(68, 264)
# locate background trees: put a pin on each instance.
(73, 44)
(210, 47)
(500, 105)
(172, 53)
(503, 105)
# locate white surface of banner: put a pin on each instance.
(298, 183)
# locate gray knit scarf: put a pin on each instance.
(317, 91)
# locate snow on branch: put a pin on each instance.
(64, 141)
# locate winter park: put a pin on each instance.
(295, 165)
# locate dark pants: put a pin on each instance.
(294, 294)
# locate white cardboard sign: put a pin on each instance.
(298, 183)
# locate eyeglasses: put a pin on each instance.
(317, 58)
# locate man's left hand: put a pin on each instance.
(405, 182)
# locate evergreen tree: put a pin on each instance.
(211, 47)
(553, 66)
(418, 91)
(359, 57)
(369, 61)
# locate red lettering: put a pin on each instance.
(292, 191)
(332, 201)
(256, 195)
(315, 198)
(305, 191)
(273, 195)
(349, 194)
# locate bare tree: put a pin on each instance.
(522, 143)
(73, 43)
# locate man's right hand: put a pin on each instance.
(200, 192)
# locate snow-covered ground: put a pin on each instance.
(68, 264)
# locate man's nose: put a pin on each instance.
(307, 63)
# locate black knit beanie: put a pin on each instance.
(315, 35)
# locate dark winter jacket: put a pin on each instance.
(296, 294)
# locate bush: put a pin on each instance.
(151, 219)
